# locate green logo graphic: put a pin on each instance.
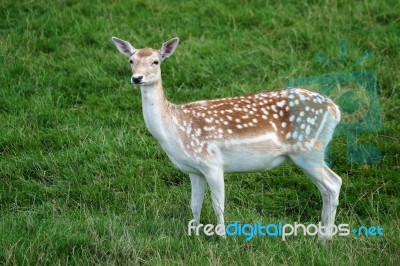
(356, 94)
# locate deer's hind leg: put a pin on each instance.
(328, 183)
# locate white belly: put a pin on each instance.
(250, 155)
(249, 162)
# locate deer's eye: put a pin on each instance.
(131, 61)
(156, 62)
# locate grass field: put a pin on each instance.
(82, 181)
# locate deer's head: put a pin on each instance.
(146, 62)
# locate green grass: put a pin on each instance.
(81, 179)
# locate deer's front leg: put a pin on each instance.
(198, 183)
(215, 179)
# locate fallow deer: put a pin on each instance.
(237, 134)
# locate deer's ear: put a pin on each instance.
(168, 48)
(124, 47)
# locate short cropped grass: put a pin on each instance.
(83, 182)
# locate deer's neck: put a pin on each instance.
(156, 111)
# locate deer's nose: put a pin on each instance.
(136, 79)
